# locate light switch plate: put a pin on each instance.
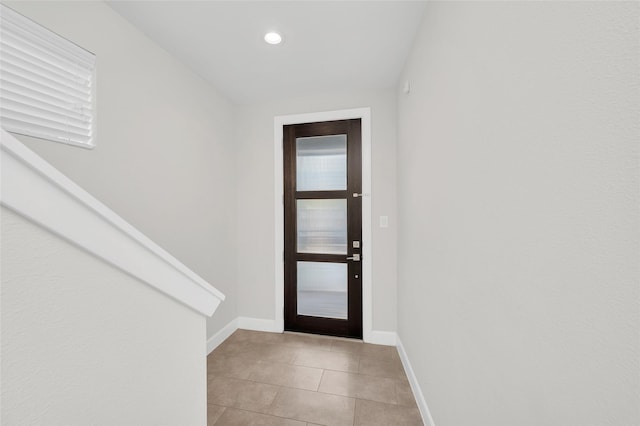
(384, 221)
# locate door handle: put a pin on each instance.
(355, 257)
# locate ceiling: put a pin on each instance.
(327, 46)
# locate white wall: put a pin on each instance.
(519, 233)
(83, 343)
(164, 156)
(255, 242)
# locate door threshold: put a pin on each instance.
(324, 336)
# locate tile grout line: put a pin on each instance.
(267, 384)
(320, 382)
(355, 411)
(395, 392)
(255, 412)
(267, 409)
(268, 412)
(395, 382)
(318, 390)
(224, 408)
(295, 357)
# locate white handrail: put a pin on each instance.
(36, 190)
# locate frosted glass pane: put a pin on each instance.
(321, 163)
(322, 289)
(322, 226)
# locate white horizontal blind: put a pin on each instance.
(47, 87)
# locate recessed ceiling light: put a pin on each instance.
(273, 38)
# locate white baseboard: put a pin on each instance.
(222, 335)
(415, 387)
(257, 324)
(387, 338)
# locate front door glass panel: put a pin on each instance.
(322, 226)
(321, 163)
(322, 289)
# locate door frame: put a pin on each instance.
(364, 114)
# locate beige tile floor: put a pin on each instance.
(294, 379)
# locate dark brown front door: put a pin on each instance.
(323, 228)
